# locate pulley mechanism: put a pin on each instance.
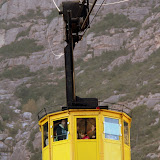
(74, 15)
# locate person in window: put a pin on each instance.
(92, 132)
(62, 130)
(83, 135)
(45, 138)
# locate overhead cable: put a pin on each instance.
(56, 5)
(107, 4)
(93, 18)
(102, 4)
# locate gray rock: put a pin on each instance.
(20, 152)
(15, 8)
(119, 61)
(82, 71)
(9, 141)
(3, 136)
(27, 115)
(11, 35)
(145, 83)
(157, 108)
(37, 141)
(114, 98)
(25, 124)
(17, 111)
(152, 155)
(2, 37)
(2, 145)
(152, 102)
(88, 56)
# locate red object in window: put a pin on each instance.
(86, 137)
(98, 107)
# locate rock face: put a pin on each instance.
(17, 22)
(2, 37)
(14, 8)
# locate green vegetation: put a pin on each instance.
(156, 9)
(113, 21)
(127, 78)
(8, 113)
(37, 90)
(2, 126)
(14, 131)
(52, 15)
(31, 139)
(8, 24)
(20, 48)
(144, 134)
(16, 73)
(23, 33)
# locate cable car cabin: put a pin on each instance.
(86, 134)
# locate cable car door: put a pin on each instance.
(86, 140)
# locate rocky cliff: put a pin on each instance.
(121, 47)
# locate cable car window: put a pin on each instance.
(45, 134)
(126, 133)
(60, 129)
(86, 128)
(111, 128)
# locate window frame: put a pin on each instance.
(43, 140)
(124, 121)
(75, 130)
(120, 129)
(53, 127)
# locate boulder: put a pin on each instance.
(2, 146)
(17, 111)
(37, 143)
(152, 155)
(152, 102)
(3, 136)
(12, 34)
(9, 141)
(114, 98)
(27, 115)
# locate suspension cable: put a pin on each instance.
(102, 4)
(107, 4)
(56, 5)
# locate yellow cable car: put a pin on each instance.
(86, 134)
(82, 130)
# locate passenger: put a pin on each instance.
(92, 133)
(45, 138)
(83, 135)
(62, 130)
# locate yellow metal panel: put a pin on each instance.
(61, 151)
(87, 150)
(127, 153)
(45, 153)
(112, 151)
